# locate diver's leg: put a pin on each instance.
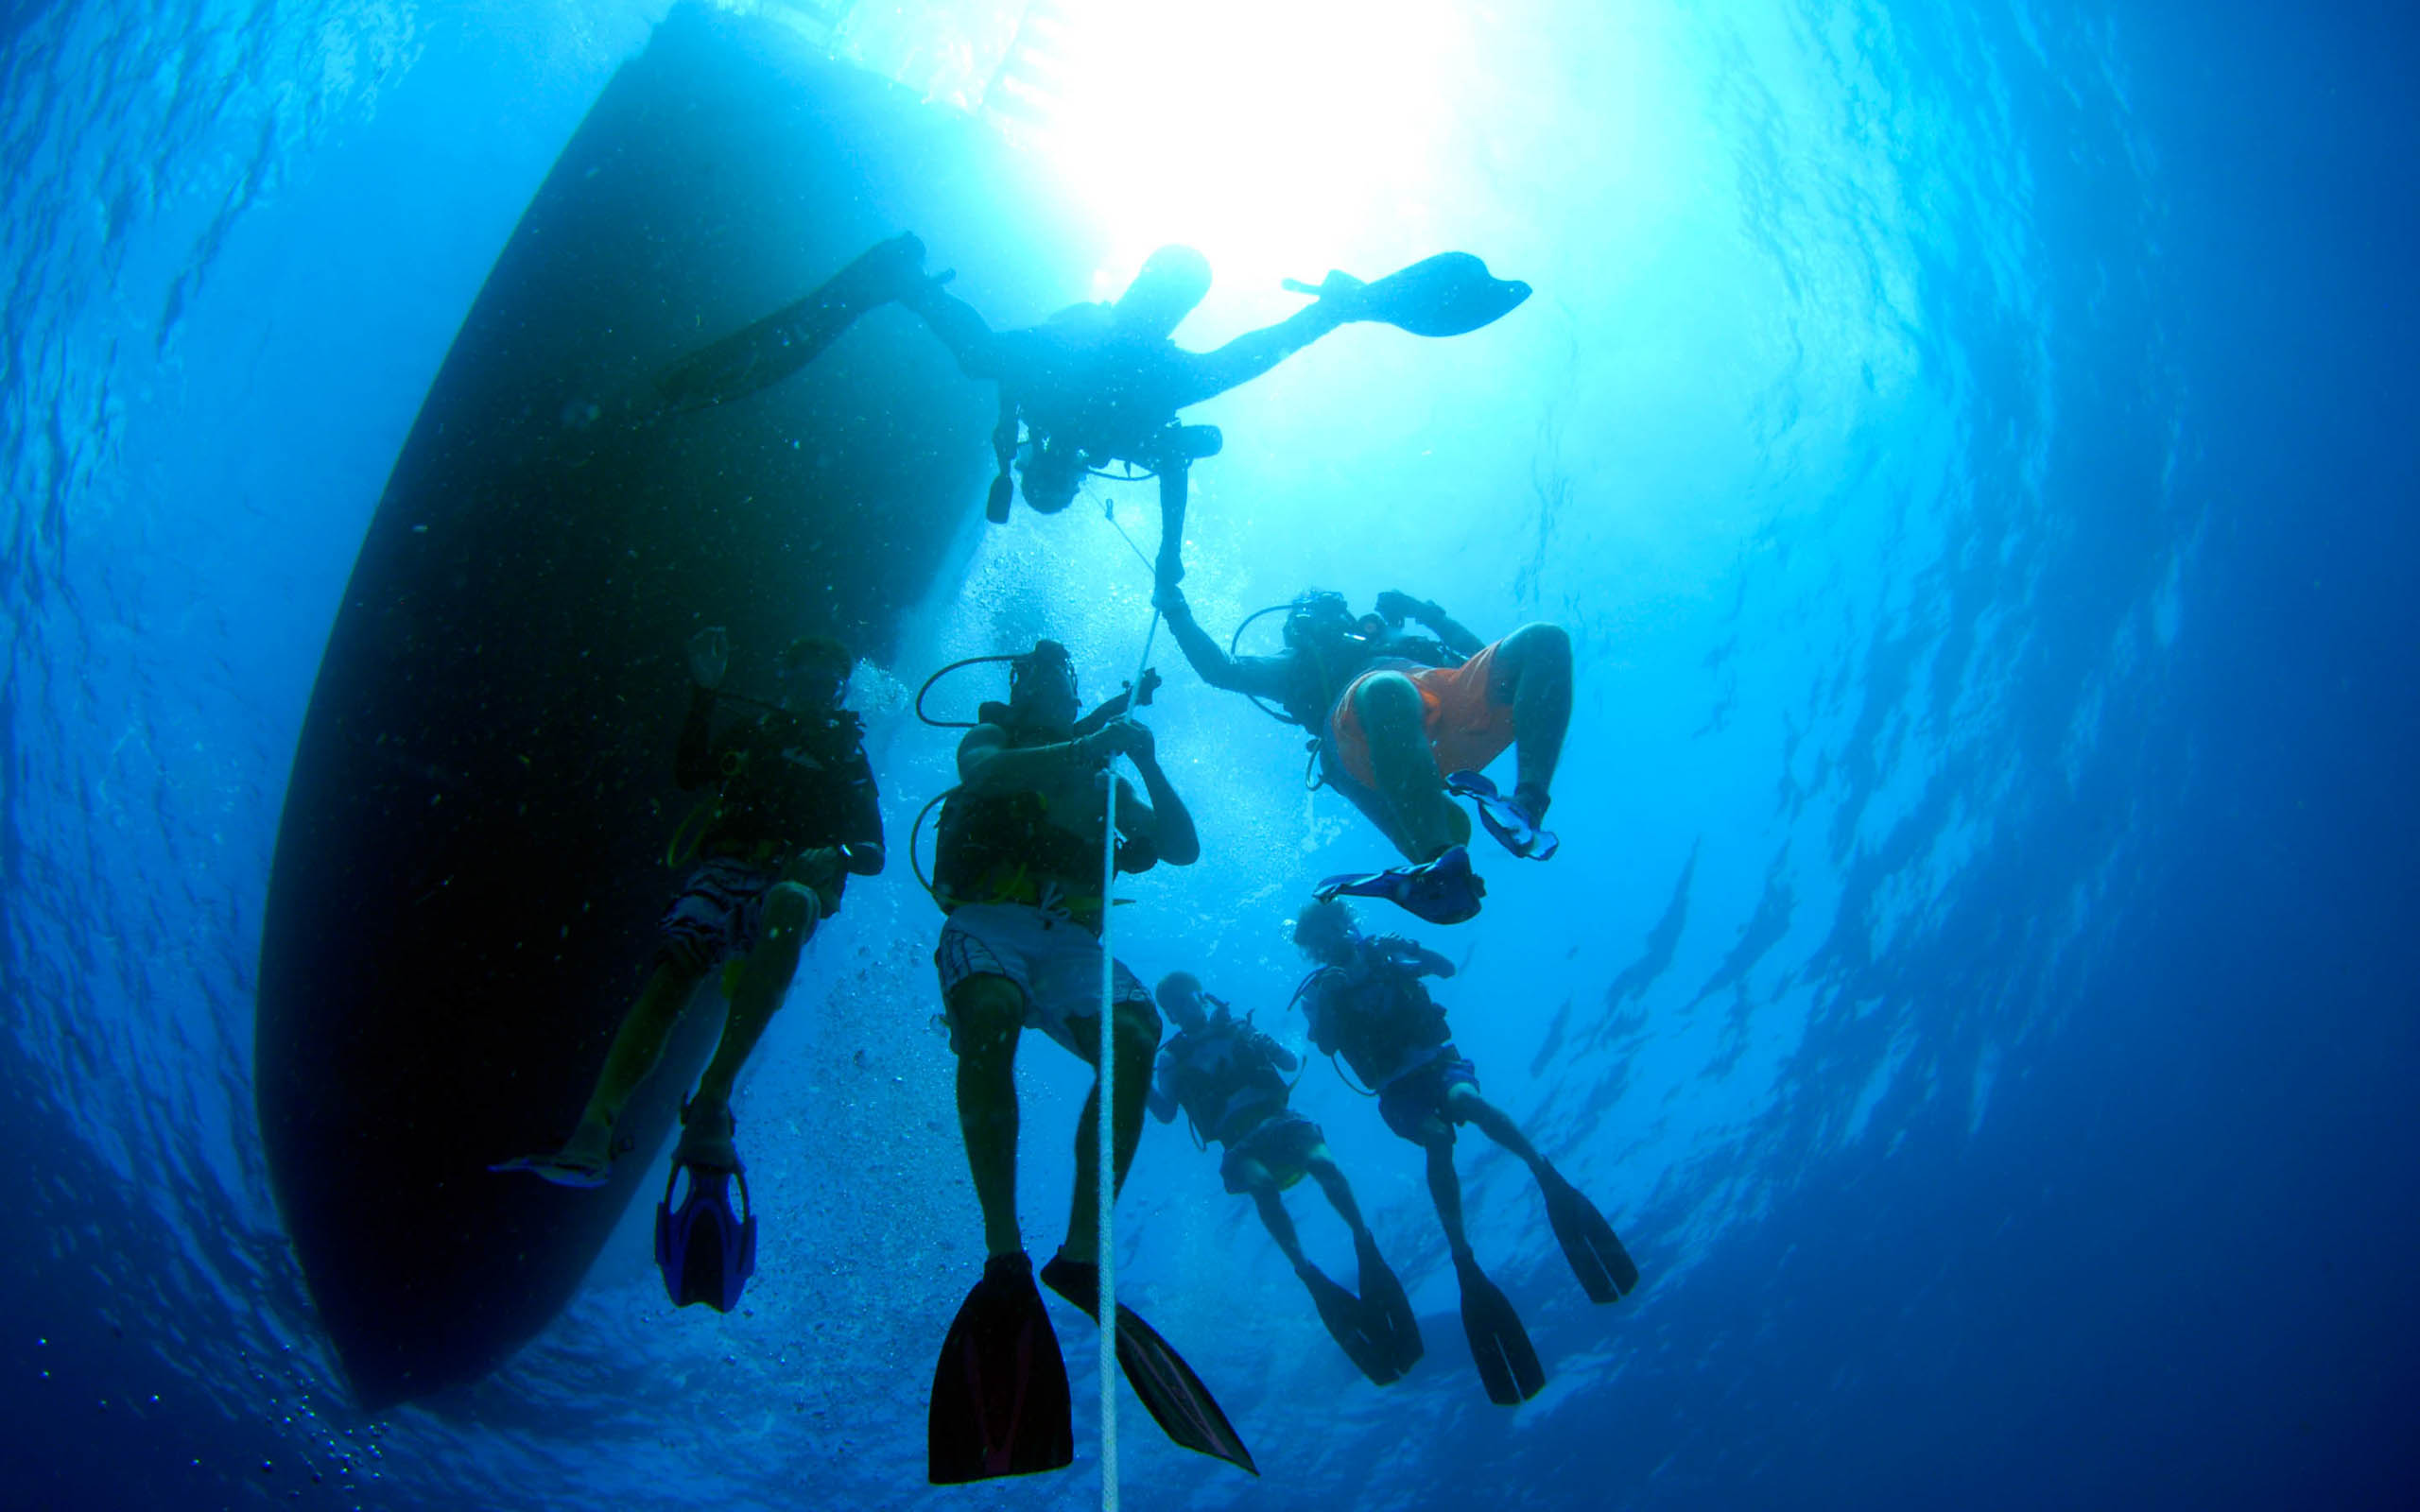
(987, 1014)
(789, 338)
(637, 1047)
(1445, 1188)
(1273, 1215)
(1203, 375)
(1465, 1105)
(1374, 808)
(1406, 766)
(1532, 673)
(1138, 1047)
(1330, 1177)
(790, 916)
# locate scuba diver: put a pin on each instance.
(1404, 723)
(792, 816)
(1096, 383)
(1018, 869)
(1229, 1080)
(1365, 1003)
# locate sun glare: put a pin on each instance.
(1276, 135)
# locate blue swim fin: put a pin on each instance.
(1505, 819)
(1443, 891)
(704, 1250)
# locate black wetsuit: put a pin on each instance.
(783, 783)
(1375, 1013)
(1227, 1077)
(1001, 848)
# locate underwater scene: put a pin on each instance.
(1698, 716)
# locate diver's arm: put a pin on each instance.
(1253, 353)
(861, 837)
(1450, 630)
(1283, 1059)
(1160, 1100)
(1264, 676)
(1166, 823)
(988, 763)
(1395, 950)
(1119, 705)
(1395, 606)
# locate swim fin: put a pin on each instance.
(1353, 1325)
(1000, 1405)
(1389, 1309)
(1448, 295)
(1172, 1393)
(1605, 1269)
(705, 1251)
(789, 338)
(557, 1168)
(1505, 819)
(1443, 891)
(1508, 1366)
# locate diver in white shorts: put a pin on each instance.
(1017, 866)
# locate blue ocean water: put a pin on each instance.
(1970, 449)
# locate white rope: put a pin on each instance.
(1105, 1190)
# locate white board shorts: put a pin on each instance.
(1054, 961)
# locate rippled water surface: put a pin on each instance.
(1969, 446)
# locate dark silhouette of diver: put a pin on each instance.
(1095, 385)
(1229, 1080)
(1017, 868)
(792, 815)
(1365, 1003)
(1404, 722)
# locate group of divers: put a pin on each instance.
(1404, 724)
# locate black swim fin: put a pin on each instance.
(1448, 295)
(1390, 1309)
(999, 1404)
(1605, 1269)
(789, 338)
(1508, 1366)
(1356, 1327)
(1172, 1393)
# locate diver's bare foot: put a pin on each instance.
(586, 1159)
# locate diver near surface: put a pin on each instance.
(1365, 1003)
(1096, 383)
(1402, 722)
(792, 816)
(1229, 1080)
(1018, 869)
